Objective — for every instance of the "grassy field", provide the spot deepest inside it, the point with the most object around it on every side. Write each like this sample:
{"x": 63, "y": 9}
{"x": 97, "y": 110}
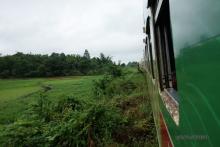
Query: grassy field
{"x": 17, "y": 94}
{"x": 76, "y": 111}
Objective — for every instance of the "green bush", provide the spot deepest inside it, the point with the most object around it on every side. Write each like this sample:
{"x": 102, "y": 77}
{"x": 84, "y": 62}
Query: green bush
{"x": 100, "y": 86}
{"x": 110, "y": 86}
{"x": 115, "y": 71}
{"x": 70, "y": 122}
{"x": 23, "y": 133}
{"x": 42, "y": 109}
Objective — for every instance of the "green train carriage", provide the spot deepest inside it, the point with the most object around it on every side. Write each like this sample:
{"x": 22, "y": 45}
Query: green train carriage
{"x": 182, "y": 62}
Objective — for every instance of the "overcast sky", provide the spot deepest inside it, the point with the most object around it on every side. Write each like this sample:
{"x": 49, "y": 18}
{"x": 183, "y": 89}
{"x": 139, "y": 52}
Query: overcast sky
{"x": 113, "y": 27}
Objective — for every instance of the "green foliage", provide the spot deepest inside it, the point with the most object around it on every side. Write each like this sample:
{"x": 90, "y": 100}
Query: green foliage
{"x": 23, "y": 133}
{"x": 69, "y": 104}
{"x": 119, "y": 87}
{"x": 17, "y": 94}
{"x": 86, "y": 54}
{"x": 42, "y": 108}
{"x": 94, "y": 124}
{"x": 70, "y": 122}
{"x": 114, "y": 84}
{"x": 115, "y": 71}
{"x": 55, "y": 118}
{"x": 22, "y": 65}
{"x": 132, "y": 64}
{"x": 100, "y": 86}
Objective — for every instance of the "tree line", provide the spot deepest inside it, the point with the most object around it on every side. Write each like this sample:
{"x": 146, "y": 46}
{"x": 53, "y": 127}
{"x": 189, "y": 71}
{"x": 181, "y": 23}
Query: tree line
{"x": 22, "y": 65}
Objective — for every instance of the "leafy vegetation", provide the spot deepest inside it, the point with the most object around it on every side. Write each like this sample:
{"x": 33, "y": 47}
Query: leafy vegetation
{"x": 17, "y": 95}
{"x": 132, "y": 64}
{"x": 22, "y": 65}
{"x": 109, "y": 110}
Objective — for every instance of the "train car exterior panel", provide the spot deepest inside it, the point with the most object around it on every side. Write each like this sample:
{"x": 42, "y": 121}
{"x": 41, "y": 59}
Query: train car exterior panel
{"x": 195, "y": 30}
{"x": 195, "y": 39}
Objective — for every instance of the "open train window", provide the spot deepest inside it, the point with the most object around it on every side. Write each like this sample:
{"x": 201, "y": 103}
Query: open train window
{"x": 167, "y": 70}
{"x": 153, "y": 4}
{"x": 166, "y": 61}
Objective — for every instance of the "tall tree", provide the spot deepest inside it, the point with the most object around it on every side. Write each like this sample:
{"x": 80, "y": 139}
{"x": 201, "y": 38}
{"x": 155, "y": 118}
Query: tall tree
{"x": 86, "y": 54}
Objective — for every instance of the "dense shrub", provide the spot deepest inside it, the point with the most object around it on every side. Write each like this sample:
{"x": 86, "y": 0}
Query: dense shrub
{"x": 23, "y": 133}
{"x": 100, "y": 86}
{"x": 110, "y": 86}
{"x": 70, "y": 122}
{"x": 115, "y": 71}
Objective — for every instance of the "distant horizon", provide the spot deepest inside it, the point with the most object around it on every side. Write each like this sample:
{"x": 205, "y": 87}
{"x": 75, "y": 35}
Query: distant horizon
{"x": 80, "y": 54}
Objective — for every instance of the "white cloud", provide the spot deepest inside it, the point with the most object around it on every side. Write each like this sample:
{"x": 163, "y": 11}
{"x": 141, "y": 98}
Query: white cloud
{"x": 44, "y": 26}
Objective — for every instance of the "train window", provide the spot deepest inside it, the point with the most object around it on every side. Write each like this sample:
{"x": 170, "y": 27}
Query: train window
{"x": 148, "y": 60}
{"x": 151, "y": 60}
{"x": 153, "y": 4}
{"x": 148, "y": 49}
{"x": 146, "y": 55}
{"x": 166, "y": 62}
{"x": 165, "y": 52}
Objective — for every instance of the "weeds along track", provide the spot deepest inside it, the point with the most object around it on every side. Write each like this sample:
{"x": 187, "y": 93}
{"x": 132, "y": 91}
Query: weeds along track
{"x": 140, "y": 129}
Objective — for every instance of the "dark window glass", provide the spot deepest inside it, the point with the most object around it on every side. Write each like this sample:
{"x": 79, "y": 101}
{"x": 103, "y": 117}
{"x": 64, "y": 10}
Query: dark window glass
{"x": 165, "y": 55}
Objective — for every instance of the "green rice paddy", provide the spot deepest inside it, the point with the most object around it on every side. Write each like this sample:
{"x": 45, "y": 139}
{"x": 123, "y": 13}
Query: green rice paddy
{"x": 16, "y": 95}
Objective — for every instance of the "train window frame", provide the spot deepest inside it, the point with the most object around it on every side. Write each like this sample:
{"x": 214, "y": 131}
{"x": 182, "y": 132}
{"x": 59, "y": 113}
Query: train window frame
{"x": 151, "y": 60}
{"x": 147, "y": 55}
{"x": 150, "y": 57}
{"x": 153, "y": 4}
{"x": 166, "y": 62}
{"x": 149, "y": 52}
